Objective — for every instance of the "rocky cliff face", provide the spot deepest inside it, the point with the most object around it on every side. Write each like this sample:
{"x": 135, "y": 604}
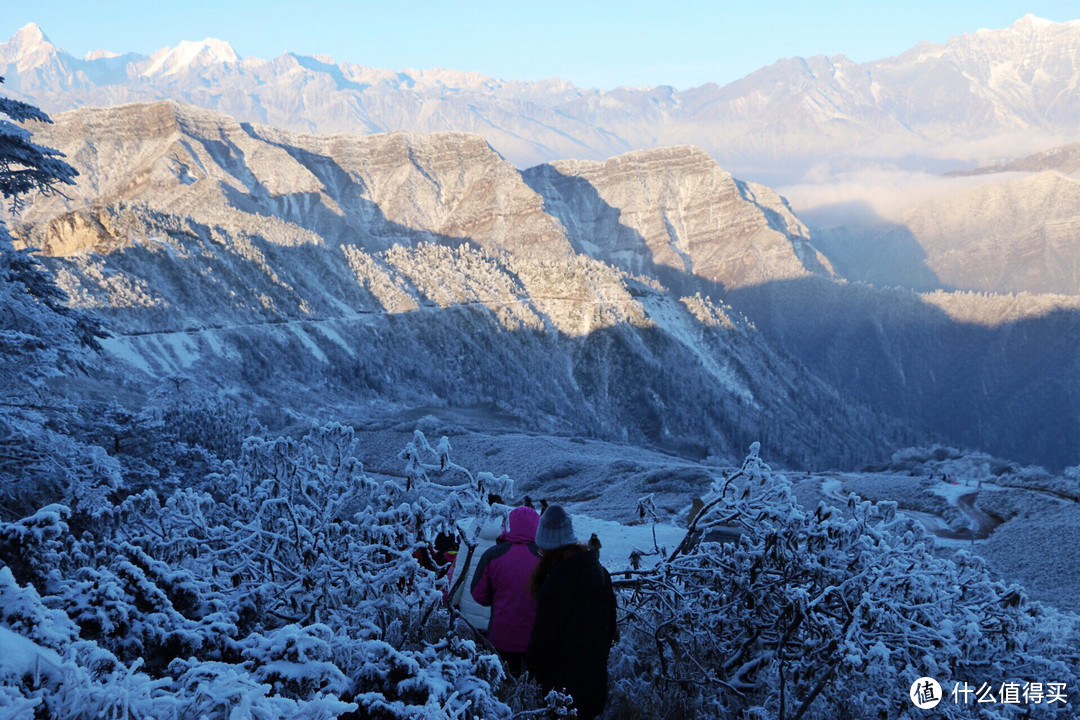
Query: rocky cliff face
{"x": 388, "y": 272}
{"x": 183, "y": 160}
{"x": 675, "y": 208}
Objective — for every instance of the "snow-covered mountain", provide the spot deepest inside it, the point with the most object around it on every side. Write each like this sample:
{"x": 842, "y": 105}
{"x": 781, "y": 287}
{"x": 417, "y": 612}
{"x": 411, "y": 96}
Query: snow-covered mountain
{"x": 975, "y": 99}
{"x": 190, "y": 56}
{"x": 564, "y": 297}
{"x": 379, "y": 274}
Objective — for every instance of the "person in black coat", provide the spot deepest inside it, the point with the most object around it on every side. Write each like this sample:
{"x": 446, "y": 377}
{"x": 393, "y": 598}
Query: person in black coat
{"x": 575, "y": 617}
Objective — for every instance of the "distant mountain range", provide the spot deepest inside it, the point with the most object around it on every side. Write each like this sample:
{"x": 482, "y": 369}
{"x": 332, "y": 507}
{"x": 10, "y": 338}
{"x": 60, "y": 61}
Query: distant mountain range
{"x": 977, "y": 98}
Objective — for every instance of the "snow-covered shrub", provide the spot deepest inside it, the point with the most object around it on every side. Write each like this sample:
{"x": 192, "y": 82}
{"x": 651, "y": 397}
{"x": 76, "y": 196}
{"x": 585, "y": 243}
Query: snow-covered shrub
{"x": 295, "y": 660}
{"x": 287, "y": 585}
{"x": 221, "y": 690}
{"x": 46, "y": 670}
{"x": 818, "y": 614}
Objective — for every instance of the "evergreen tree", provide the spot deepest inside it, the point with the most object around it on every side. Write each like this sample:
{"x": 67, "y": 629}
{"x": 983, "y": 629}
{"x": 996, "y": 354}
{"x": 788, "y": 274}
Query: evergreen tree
{"x": 40, "y": 337}
{"x": 25, "y": 166}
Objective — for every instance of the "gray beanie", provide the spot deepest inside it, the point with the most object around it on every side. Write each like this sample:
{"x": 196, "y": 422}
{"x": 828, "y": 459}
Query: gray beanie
{"x": 555, "y": 529}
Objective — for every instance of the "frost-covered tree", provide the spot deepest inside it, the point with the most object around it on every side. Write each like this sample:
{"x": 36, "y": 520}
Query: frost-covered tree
{"x": 40, "y": 339}
{"x": 25, "y": 166}
{"x": 288, "y": 584}
{"x": 819, "y": 614}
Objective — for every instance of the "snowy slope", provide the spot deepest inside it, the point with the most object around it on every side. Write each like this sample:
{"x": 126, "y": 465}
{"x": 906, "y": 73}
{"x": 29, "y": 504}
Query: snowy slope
{"x": 1027, "y": 536}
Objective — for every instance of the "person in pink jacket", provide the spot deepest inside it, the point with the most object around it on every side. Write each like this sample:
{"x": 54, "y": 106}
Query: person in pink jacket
{"x": 502, "y": 581}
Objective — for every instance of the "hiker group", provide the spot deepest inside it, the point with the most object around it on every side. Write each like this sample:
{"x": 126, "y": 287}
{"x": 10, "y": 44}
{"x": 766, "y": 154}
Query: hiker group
{"x": 542, "y": 599}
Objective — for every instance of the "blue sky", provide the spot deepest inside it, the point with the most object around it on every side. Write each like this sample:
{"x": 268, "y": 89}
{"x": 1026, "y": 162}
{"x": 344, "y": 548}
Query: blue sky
{"x": 594, "y": 43}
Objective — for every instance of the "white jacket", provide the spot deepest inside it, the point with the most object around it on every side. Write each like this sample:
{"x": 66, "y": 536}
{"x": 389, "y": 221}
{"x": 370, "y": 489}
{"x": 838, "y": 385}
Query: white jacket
{"x": 477, "y": 615}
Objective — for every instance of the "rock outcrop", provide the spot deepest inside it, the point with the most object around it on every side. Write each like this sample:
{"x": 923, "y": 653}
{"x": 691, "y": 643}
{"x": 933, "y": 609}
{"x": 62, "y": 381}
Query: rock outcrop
{"x": 676, "y": 208}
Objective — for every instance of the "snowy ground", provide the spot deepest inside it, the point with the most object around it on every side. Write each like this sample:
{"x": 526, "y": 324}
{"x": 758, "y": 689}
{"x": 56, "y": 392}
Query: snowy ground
{"x": 618, "y": 541}
{"x": 591, "y": 477}
{"x": 1027, "y": 535}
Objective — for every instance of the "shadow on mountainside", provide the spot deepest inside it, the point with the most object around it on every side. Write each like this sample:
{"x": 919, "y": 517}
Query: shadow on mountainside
{"x": 297, "y": 322}
{"x": 295, "y": 326}
{"x": 353, "y": 215}
{"x": 1012, "y": 389}
{"x": 585, "y": 215}
{"x": 624, "y": 383}
{"x": 865, "y": 247}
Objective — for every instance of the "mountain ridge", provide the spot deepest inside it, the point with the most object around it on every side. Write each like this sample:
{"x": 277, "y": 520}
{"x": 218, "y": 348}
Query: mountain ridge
{"x": 776, "y": 123}
{"x": 1064, "y": 159}
{"x": 385, "y": 272}
{"x": 1016, "y": 235}
{"x": 660, "y": 299}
